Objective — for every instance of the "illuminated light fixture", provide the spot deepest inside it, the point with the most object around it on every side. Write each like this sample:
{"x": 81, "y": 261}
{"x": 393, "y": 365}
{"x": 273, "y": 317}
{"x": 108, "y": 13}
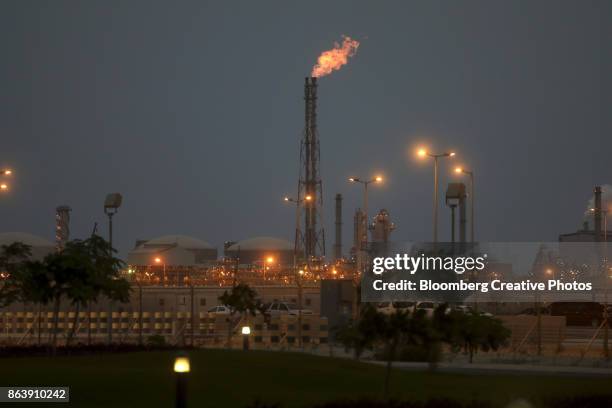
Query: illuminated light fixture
{"x": 181, "y": 365}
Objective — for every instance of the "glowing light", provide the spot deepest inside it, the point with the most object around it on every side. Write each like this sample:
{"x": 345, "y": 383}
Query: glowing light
{"x": 334, "y": 59}
{"x": 308, "y": 198}
{"x": 246, "y": 330}
{"x": 181, "y": 365}
{"x": 7, "y": 172}
{"x": 157, "y": 260}
{"x": 451, "y": 154}
{"x": 3, "y": 186}
{"x": 421, "y": 152}
{"x": 269, "y": 259}
{"x": 378, "y": 179}
{"x": 458, "y": 170}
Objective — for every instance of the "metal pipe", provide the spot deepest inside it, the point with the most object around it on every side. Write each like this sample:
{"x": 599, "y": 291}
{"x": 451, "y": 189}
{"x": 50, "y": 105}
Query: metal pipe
{"x": 435, "y": 201}
{"x": 597, "y": 213}
{"x": 452, "y": 207}
{"x": 338, "y": 244}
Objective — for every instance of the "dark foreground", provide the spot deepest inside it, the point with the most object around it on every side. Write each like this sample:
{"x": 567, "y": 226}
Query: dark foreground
{"x": 236, "y": 379}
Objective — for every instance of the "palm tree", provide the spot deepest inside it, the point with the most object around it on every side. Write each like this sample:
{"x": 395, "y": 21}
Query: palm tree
{"x": 99, "y": 275}
{"x": 395, "y": 325}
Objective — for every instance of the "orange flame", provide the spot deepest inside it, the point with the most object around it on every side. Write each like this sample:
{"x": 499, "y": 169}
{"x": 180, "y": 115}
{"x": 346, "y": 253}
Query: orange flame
{"x": 334, "y": 59}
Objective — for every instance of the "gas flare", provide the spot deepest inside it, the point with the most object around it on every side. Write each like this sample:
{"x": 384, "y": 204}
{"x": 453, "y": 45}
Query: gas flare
{"x": 334, "y": 59}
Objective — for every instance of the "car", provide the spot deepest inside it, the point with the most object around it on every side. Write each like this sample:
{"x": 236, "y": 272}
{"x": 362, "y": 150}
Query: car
{"x": 278, "y": 308}
{"x": 463, "y": 309}
{"x": 385, "y": 307}
{"x": 428, "y": 307}
{"x": 392, "y": 307}
{"x": 404, "y": 306}
{"x": 220, "y": 310}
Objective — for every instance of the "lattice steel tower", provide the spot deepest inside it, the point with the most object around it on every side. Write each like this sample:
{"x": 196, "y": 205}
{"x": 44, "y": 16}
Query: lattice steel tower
{"x": 312, "y": 245}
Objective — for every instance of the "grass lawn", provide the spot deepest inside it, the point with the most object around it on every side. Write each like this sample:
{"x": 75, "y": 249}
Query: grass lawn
{"x": 222, "y": 378}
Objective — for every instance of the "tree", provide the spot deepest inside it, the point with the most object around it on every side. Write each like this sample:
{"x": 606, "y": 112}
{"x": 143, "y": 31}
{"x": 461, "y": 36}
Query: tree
{"x": 361, "y": 335}
{"x": 80, "y": 273}
{"x": 394, "y": 326}
{"x": 13, "y": 260}
{"x": 480, "y": 332}
{"x": 241, "y": 299}
{"x": 99, "y": 275}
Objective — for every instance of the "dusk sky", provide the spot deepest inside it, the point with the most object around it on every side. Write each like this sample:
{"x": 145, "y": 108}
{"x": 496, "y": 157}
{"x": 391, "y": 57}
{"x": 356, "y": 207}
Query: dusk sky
{"x": 194, "y": 112}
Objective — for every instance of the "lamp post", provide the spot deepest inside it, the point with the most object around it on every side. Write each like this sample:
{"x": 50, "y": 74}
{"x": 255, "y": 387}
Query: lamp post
{"x": 362, "y": 253}
{"x": 424, "y": 153}
{"x": 471, "y": 174}
{"x": 296, "y": 250}
{"x": 606, "y": 351}
{"x": 181, "y": 369}
{"x": 246, "y": 332}
{"x": 111, "y": 206}
{"x": 361, "y": 262}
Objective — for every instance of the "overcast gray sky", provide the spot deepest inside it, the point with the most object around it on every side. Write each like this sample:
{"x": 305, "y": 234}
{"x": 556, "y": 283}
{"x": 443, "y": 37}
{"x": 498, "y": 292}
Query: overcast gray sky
{"x": 194, "y": 112}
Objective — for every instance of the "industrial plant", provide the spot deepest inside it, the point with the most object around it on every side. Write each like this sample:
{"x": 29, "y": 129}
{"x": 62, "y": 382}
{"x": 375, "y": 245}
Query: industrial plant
{"x": 177, "y": 280}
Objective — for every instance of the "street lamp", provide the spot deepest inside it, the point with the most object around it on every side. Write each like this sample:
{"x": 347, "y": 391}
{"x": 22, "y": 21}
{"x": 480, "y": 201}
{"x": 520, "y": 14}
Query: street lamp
{"x": 364, "y": 234}
{"x": 182, "y": 368}
{"x": 4, "y": 186}
{"x": 298, "y": 203}
{"x": 296, "y": 249}
{"x": 362, "y": 253}
{"x": 461, "y": 170}
{"x": 423, "y": 153}
{"x": 246, "y": 331}
{"x": 111, "y": 206}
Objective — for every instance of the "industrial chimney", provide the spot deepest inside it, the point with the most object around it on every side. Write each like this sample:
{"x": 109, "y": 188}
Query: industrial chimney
{"x": 338, "y": 244}
{"x": 310, "y": 178}
{"x": 597, "y": 214}
{"x": 62, "y": 226}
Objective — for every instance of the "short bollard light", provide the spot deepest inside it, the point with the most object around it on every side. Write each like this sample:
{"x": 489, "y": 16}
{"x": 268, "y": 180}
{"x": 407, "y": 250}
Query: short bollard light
{"x": 246, "y": 331}
{"x": 181, "y": 369}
